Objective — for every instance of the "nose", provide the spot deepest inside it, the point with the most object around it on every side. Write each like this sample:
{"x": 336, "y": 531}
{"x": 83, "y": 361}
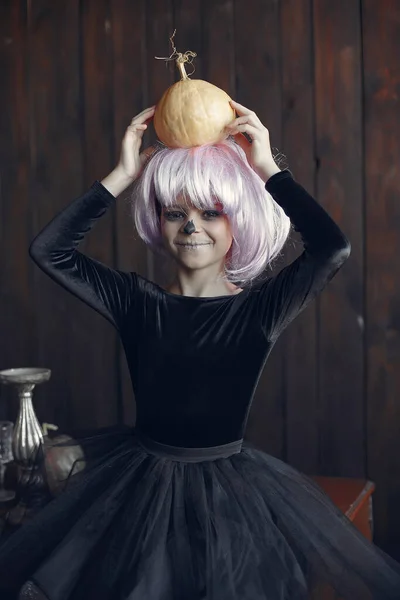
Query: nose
{"x": 189, "y": 228}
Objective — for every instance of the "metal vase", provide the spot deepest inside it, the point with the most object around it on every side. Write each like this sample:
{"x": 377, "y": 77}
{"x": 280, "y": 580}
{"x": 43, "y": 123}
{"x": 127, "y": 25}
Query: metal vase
{"x": 27, "y": 440}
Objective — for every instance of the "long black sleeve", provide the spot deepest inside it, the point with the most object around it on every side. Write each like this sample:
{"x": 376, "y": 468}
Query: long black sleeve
{"x": 54, "y": 250}
{"x": 283, "y": 297}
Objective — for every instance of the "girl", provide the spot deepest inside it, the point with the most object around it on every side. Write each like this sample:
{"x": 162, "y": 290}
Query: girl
{"x": 179, "y": 508}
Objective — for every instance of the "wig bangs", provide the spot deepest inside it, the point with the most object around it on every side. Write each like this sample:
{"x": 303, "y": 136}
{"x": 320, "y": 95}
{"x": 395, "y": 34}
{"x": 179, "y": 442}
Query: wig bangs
{"x": 202, "y": 176}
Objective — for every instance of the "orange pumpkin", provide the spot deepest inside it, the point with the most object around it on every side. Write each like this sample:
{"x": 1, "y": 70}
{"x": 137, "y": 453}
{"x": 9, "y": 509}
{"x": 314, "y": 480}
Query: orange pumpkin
{"x": 192, "y": 112}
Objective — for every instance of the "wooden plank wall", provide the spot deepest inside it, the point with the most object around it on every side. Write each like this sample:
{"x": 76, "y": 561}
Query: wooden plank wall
{"x": 324, "y": 77}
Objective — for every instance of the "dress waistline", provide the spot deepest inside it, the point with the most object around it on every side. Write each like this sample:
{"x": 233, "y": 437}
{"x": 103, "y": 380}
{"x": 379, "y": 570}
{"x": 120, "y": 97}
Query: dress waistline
{"x": 191, "y": 455}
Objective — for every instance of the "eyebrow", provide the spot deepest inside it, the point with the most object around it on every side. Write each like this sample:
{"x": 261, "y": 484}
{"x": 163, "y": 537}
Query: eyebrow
{"x": 217, "y": 208}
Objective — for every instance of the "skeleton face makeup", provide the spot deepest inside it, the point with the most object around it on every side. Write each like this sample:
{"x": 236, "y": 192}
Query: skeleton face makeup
{"x": 189, "y": 227}
{"x": 195, "y": 238}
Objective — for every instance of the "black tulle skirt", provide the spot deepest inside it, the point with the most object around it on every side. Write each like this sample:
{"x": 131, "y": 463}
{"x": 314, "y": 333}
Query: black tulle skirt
{"x": 145, "y": 521}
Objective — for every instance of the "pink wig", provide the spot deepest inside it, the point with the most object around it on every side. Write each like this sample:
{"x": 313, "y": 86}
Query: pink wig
{"x": 206, "y": 175}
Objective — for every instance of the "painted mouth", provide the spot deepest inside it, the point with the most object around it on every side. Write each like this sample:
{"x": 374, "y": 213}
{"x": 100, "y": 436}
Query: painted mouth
{"x": 193, "y": 246}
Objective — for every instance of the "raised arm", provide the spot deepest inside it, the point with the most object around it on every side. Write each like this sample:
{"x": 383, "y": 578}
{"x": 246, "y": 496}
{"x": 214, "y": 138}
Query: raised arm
{"x": 283, "y": 297}
{"x": 55, "y": 249}
{"x": 326, "y": 248}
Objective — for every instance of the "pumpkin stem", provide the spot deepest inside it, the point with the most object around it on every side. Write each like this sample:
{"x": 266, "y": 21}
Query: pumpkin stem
{"x": 180, "y": 58}
{"x": 180, "y": 61}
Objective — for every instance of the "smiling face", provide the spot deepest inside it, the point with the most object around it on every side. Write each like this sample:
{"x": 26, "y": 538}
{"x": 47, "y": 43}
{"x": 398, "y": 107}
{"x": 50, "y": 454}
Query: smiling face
{"x": 209, "y": 241}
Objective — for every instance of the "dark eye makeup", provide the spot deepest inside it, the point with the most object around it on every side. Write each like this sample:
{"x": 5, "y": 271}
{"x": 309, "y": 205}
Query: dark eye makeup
{"x": 175, "y": 215}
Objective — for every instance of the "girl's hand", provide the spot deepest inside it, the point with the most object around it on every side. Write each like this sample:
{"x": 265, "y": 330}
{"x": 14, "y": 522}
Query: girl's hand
{"x": 258, "y": 150}
{"x": 131, "y": 161}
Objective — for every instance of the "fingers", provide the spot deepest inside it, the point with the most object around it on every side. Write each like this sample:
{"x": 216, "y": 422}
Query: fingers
{"x": 239, "y": 106}
{"x": 134, "y": 135}
{"x": 242, "y": 128}
{"x": 245, "y": 119}
{"x": 135, "y": 132}
{"x": 144, "y": 116}
{"x": 135, "y": 126}
{"x": 139, "y": 123}
{"x": 242, "y": 110}
{"x": 150, "y": 109}
{"x": 250, "y": 119}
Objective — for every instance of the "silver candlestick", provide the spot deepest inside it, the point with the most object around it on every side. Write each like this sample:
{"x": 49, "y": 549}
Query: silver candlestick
{"x": 27, "y": 440}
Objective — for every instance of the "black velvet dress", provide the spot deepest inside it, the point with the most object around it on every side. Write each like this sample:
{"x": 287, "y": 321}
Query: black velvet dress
{"x": 179, "y": 507}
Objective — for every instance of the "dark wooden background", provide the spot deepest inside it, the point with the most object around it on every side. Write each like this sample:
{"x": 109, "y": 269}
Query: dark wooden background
{"x": 324, "y": 77}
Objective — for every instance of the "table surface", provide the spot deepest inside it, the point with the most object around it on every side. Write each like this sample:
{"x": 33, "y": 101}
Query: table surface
{"x": 349, "y": 495}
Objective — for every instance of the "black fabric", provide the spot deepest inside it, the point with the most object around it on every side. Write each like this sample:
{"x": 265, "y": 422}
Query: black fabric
{"x": 141, "y": 522}
{"x": 218, "y": 344}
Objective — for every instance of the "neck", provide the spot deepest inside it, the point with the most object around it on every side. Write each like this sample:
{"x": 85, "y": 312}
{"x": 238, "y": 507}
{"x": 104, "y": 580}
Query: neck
{"x": 201, "y": 285}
